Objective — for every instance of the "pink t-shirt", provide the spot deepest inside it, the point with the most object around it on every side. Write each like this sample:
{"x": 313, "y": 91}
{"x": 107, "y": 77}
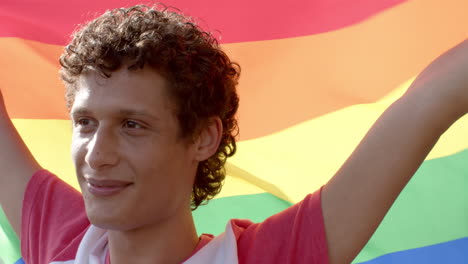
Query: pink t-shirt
{"x": 55, "y": 229}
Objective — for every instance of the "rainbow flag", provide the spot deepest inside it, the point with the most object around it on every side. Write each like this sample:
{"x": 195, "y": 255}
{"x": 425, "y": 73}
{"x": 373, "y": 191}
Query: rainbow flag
{"x": 315, "y": 75}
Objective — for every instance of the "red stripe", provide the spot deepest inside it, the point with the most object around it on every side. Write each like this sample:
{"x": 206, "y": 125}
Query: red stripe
{"x": 52, "y": 21}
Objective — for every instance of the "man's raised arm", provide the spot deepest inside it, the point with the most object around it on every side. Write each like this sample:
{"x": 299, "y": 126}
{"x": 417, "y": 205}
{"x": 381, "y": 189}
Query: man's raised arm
{"x": 17, "y": 165}
{"x": 357, "y": 198}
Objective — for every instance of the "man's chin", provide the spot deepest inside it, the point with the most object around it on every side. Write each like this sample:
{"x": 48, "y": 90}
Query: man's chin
{"x": 108, "y": 220}
{"x": 109, "y": 223}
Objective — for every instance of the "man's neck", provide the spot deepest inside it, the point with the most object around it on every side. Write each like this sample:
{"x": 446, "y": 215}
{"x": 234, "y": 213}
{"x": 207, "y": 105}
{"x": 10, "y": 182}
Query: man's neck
{"x": 169, "y": 241}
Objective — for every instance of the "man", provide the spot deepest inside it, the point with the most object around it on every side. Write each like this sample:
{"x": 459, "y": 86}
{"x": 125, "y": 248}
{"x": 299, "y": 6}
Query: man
{"x": 152, "y": 99}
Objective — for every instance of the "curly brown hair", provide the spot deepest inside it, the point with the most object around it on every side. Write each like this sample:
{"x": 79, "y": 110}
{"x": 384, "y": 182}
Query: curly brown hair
{"x": 201, "y": 76}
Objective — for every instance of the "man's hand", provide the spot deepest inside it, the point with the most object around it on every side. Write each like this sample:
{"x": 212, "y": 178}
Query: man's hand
{"x": 17, "y": 165}
{"x": 357, "y": 198}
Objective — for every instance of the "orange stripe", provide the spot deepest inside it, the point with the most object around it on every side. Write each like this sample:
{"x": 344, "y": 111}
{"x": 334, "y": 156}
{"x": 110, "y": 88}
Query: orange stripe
{"x": 284, "y": 81}
{"x": 29, "y": 79}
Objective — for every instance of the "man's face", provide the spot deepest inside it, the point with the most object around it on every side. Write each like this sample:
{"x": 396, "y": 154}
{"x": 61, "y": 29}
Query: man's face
{"x": 132, "y": 167}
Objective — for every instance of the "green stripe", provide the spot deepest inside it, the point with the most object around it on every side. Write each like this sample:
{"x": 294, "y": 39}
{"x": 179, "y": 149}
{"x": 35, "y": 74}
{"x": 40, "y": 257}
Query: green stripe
{"x": 9, "y": 243}
{"x": 213, "y": 217}
{"x": 433, "y": 208}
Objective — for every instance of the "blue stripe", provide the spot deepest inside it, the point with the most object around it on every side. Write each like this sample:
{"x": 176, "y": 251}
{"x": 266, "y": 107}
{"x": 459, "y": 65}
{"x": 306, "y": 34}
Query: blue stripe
{"x": 453, "y": 252}
{"x": 19, "y": 261}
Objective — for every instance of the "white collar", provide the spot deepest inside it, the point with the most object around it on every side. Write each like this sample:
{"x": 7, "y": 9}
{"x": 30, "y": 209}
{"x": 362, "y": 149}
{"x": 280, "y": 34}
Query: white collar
{"x": 222, "y": 249}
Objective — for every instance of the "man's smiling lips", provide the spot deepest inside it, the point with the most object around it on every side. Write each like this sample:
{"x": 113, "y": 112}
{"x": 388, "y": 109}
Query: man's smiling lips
{"x": 105, "y": 187}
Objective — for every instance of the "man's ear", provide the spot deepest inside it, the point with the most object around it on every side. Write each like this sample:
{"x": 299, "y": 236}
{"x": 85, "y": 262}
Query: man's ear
{"x": 209, "y": 139}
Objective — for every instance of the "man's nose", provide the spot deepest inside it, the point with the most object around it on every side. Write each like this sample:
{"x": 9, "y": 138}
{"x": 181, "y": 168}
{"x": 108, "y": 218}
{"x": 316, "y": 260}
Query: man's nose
{"x": 102, "y": 149}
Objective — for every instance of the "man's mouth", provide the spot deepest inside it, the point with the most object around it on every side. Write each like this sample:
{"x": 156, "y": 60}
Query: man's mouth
{"x": 106, "y": 187}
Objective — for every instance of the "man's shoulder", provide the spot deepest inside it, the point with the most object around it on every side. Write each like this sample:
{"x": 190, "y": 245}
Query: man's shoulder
{"x": 53, "y": 221}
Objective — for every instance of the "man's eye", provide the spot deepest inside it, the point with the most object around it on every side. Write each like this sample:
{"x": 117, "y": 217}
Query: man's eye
{"x": 132, "y": 124}
{"x": 83, "y": 122}
{"x": 84, "y": 125}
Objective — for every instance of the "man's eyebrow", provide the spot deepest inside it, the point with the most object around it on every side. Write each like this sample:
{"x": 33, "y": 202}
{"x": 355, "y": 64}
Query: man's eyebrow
{"x": 121, "y": 112}
{"x": 79, "y": 111}
{"x": 136, "y": 112}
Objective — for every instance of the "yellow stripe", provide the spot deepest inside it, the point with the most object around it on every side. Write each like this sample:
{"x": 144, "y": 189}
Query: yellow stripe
{"x": 49, "y": 141}
{"x": 308, "y": 154}
{"x": 302, "y": 158}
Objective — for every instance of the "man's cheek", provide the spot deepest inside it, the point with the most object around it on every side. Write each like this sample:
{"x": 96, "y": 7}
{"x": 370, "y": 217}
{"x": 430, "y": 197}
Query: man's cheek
{"x": 78, "y": 149}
